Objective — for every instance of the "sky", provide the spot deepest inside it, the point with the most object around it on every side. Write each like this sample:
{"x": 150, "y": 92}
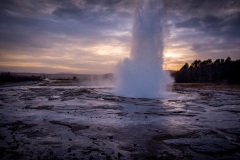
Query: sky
{"x": 92, "y": 36}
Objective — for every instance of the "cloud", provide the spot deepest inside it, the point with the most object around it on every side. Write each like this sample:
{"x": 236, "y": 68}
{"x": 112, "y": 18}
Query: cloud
{"x": 93, "y": 34}
{"x": 85, "y": 36}
{"x": 202, "y": 7}
{"x": 227, "y": 26}
{"x": 221, "y": 33}
{"x": 209, "y": 28}
{"x": 68, "y": 22}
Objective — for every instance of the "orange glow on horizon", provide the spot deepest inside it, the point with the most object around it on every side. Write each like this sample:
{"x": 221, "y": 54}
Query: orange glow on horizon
{"x": 97, "y": 59}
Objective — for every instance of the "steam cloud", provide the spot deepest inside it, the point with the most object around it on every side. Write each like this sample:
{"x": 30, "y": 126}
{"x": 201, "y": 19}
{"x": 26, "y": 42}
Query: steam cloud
{"x": 142, "y": 75}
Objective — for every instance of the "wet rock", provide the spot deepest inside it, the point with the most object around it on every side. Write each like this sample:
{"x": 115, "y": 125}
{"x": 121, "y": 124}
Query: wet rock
{"x": 19, "y": 125}
{"x": 40, "y": 107}
{"x": 73, "y": 126}
{"x": 208, "y": 145}
{"x": 114, "y": 107}
{"x": 32, "y": 134}
{"x": 119, "y": 155}
{"x": 93, "y": 138}
{"x": 108, "y": 157}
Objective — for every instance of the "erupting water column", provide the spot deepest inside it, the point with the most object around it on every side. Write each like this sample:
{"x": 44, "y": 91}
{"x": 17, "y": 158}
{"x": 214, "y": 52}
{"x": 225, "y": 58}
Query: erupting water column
{"x": 142, "y": 75}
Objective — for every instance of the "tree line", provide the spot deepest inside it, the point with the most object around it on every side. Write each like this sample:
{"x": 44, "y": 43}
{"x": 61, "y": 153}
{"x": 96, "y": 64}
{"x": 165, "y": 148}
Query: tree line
{"x": 219, "y": 71}
{"x": 10, "y": 77}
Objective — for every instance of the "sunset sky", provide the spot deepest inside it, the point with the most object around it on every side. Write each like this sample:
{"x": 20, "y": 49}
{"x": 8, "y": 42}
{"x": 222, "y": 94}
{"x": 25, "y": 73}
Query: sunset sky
{"x": 91, "y": 36}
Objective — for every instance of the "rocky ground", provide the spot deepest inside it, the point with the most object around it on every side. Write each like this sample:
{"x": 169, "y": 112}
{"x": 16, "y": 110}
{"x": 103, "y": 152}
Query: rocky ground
{"x": 72, "y": 122}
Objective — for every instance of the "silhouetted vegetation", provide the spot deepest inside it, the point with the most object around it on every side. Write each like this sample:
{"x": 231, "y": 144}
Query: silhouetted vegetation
{"x": 219, "y": 71}
{"x": 11, "y": 77}
{"x": 57, "y": 79}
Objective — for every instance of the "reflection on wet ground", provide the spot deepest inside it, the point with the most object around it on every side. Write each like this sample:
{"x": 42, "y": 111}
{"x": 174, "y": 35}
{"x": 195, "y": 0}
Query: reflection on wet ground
{"x": 39, "y": 122}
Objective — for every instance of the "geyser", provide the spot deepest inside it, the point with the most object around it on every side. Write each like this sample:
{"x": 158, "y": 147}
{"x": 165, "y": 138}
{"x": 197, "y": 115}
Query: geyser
{"x": 142, "y": 75}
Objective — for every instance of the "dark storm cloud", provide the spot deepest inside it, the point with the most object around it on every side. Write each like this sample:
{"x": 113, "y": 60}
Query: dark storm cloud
{"x": 93, "y": 17}
{"x": 201, "y": 6}
{"x": 210, "y": 27}
{"x": 223, "y": 32}
{"x": 32, "y": 23}
{"x": 227, "y": 27}
{"x": 97, "y": 10}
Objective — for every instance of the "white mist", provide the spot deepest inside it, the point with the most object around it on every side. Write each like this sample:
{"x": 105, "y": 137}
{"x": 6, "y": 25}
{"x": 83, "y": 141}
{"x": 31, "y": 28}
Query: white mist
{"x": 142, "y": 75}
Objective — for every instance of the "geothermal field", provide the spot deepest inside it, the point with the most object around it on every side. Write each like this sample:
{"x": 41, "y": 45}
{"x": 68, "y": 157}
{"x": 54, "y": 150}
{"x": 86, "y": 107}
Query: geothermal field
{"x": 141, "y": 114}
{"x": 75, "y": 122}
